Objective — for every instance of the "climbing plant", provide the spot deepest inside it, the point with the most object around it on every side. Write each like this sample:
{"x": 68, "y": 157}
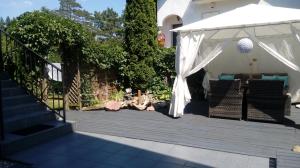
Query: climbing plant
{"x": 43, "y": 30}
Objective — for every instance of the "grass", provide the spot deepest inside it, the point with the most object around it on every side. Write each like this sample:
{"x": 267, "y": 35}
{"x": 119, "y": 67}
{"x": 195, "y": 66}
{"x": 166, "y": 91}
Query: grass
{"x": 57, "y": 105}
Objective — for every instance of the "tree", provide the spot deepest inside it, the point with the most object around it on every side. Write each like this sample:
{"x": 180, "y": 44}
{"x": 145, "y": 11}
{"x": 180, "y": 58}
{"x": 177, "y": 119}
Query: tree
{"x": 73, "y": 10}
{"x": 109, "y": 23}
{"x": 68, "y": 7}
{"x": 2, "y": 23}
{"x": 45, "y": 9}
{"x": 140, "y": 41}
{"x": 7, "y": 21}
{"x": 83, "y": 14}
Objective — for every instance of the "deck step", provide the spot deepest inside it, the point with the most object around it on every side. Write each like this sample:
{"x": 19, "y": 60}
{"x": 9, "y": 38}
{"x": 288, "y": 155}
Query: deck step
{"x": 8, "y": 83}
{"x": 18, "y": 100}
{"x": 5, "y": 76}
{"x": 16, "y": 142}
{"x": 23, "y": 109}
{"x": 14, "y": 91}
{"x": 27, "y": 120}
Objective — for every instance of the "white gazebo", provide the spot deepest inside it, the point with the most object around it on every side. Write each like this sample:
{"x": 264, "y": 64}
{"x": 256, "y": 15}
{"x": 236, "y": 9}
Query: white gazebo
{"x": 212, "y": 44}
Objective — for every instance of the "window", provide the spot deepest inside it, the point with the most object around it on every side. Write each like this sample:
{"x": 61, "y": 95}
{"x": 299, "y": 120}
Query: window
{"x": 174, "y": 34}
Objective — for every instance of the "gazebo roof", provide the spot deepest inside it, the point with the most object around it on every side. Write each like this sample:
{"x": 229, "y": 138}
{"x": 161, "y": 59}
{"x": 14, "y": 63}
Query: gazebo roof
{"x": 251, "y": 15}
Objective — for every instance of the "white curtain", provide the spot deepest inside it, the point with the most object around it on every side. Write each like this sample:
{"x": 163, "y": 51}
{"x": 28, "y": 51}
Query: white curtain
{"x": 295, "y": 90}
{"x": 295, "y": 33}
{"x": 187, "y": 49}
{"x": 279, "y": 49}
{"x": 208, "y": 52}
{"x": 285, "y": 50}
{"x": 192, "y": 55}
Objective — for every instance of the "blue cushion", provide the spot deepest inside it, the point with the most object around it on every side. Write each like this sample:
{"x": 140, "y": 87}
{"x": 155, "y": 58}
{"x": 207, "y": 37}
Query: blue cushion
{"x": 267, "y": 77}
{"x": 285, "y": 79}
{"x": 226, "y": 77}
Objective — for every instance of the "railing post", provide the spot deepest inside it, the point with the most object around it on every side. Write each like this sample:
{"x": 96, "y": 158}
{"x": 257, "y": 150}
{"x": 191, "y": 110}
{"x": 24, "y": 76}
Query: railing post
{"x": 1, "y": 106}
{"x": 64, "y": 91}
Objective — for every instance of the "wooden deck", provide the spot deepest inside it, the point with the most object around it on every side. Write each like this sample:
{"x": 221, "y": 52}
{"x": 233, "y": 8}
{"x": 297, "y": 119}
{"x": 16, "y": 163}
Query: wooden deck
{"x": 197, "y": 130}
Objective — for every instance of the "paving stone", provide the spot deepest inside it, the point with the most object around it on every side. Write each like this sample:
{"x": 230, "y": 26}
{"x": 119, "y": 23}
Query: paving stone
{"x": 189, "y": 164}
{"x": 118, "y": 160}
{"x": 149, "y": 155}
{"x": 174, "y": 160}
{"x": 112, "y": 147}
{"x": 96, "y": 156}
{"x": 129, "y": 151}
{"x": 167, "y": 165}
{"x": 105, "y": 166}
{"x": 101, "y": 152}
{"x": 140, "y": 163}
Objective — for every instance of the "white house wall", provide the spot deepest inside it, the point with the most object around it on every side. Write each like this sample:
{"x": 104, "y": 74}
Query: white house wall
{"x": 167, "y": 8}
{"x": 168, "y": 22}
{"x": 190, "y": 11}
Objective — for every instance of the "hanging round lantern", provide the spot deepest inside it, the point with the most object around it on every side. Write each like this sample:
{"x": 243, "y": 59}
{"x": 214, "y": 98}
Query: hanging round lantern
{"x": 245, "y": 45}
{"x": 161, "y": 39}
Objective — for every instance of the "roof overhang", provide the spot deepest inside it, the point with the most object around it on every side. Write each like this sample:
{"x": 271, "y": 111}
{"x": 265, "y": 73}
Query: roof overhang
{"x": 244, "y": 17}
{"x": 207, "y": 1}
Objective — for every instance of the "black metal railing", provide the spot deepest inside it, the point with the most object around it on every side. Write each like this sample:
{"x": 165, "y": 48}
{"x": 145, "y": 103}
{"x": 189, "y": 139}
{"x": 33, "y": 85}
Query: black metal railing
{"x": 41, "y": 78}
{"x": 1, "y": 106}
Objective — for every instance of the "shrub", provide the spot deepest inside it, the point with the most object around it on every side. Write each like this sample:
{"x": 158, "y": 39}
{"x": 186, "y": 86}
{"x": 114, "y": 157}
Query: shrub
{"x": 87, "y": 95}
{"x": 164, "y": 63}
{"x": 160, "y": 89}
{"x": 107, "y": 55}
{"x": 117, "y": 96}
{"x": 140, "y": 42}
{"x": 139, "y": 75}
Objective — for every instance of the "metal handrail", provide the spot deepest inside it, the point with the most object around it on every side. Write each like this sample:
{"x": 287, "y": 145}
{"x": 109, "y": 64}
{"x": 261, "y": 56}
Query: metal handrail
{"x": 1, "y": 106}
{"x": 23, "y": 45}
{"x": 30, "y": 70}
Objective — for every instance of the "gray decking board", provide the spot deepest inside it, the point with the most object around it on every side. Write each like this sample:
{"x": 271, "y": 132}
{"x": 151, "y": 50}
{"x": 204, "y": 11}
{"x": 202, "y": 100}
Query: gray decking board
{"x": 288, "y": 159}
{"x": 245, "y": 137}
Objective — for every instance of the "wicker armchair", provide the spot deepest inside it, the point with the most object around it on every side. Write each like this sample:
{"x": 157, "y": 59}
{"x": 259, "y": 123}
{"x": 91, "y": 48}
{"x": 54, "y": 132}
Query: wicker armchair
{"x": 245, "y": 77}
{"x": 266, "y": 100}
{"x": 225, "y": 99}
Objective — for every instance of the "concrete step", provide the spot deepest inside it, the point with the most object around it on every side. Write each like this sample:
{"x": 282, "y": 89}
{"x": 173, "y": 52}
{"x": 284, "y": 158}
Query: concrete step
{"x": 5, "y": 76}
{"x": 8, "y": 83}
{"x": 14, "y": 91}
{"x": 27, "y": 108}
{"x": 23, "y": 121}
{"x": 26, "y": 121}
{"x": 15, "y": 142}
{"x": 18, "y": 100}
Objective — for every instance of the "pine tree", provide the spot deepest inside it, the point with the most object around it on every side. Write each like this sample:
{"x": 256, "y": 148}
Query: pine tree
{"x": 2, "y": 23}
{"x": 68, "y": 7}
{"x": 7, "y": 21}
{"x": 140, "y": 41}
{"x": 109, "y": 23}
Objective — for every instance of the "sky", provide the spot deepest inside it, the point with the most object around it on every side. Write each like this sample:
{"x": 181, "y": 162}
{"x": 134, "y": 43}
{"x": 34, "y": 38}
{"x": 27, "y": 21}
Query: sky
{"x": 14, "y": 8}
